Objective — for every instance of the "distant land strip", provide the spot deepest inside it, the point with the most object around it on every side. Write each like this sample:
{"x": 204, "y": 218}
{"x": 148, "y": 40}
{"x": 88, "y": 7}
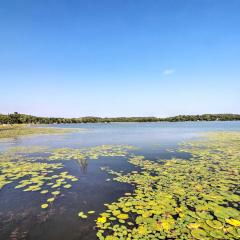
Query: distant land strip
{"x": 17, "y": 118}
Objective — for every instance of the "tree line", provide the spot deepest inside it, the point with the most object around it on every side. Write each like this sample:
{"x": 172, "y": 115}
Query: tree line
{"x": 17, "y": 118}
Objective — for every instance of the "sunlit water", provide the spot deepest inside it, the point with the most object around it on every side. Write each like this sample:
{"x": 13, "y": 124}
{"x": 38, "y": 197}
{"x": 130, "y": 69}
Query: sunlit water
{"x": 20, "y": 214}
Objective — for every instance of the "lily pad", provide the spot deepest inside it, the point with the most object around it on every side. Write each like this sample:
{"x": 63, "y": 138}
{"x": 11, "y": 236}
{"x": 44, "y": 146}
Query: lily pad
{"x": 45, "y": 205}
{"x": 199, "y": 233}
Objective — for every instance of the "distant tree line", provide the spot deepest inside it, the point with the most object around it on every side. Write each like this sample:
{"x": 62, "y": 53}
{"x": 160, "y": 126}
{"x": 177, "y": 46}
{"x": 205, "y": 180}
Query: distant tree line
{"x": 16, "y": 118}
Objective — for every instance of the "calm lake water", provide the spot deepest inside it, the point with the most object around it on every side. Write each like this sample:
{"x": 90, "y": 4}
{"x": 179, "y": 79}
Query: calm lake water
{"x": 20, "y": 214}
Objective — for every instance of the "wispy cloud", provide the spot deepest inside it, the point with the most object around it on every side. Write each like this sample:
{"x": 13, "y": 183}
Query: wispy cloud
{"x": 168, "y": 71}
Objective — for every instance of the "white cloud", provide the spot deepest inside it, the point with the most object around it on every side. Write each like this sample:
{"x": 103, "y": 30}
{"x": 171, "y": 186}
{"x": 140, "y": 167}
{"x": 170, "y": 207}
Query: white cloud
{"x": 167, "y": 72}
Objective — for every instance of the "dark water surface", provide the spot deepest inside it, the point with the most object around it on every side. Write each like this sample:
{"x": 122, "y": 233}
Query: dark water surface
{"x": 20, "y": 214}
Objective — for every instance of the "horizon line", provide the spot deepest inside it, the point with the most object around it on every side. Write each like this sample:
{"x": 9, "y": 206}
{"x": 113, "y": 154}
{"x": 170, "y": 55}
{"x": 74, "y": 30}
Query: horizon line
{"x": 89, "y": 116}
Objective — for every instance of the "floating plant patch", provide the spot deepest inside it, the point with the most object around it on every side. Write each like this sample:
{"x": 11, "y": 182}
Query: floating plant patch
{"x": 91, "y": 152}
{"x": 180, "y": 199}
{"x": 32, "y": 172}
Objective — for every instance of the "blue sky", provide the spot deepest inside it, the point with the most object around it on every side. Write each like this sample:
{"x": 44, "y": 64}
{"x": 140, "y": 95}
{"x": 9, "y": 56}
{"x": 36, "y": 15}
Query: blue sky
{"x": 119, "y": 58}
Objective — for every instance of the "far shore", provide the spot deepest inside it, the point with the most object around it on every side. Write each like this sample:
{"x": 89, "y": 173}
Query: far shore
{"x": 17, "y": 118}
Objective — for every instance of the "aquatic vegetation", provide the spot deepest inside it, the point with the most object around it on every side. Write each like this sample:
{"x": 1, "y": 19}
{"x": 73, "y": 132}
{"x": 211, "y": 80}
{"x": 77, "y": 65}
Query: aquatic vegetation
{"x": 44, "y": 191}
{"x": 233, "y": 222}
{"x": 90, "y": 152}
{"x": 50, "y": 199}
{"x": 84, "y": 215}
{"x": 91, "y": 212}
{"x": 13, "y": 131}
{"x": 101, "y": 220}
{"x": 82, "y": 155}
{"x": 30, "y": 171}
{"x": 197, "y": 198}
{"x": 34, "y": 176}
{"x": 25, "y": 150}
{"x": 56, "y": 193}
{"x": 29, "y": 174}
{"x": 45, "y": 205}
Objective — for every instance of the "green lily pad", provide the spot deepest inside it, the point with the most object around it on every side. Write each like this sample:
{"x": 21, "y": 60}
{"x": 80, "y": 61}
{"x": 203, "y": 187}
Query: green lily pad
{"x": 214, "y": 224}
{"x": 199, "y": 234}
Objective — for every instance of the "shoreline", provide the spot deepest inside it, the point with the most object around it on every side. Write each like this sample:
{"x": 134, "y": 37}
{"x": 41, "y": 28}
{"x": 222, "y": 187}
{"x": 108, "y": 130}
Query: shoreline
{"x": 113, "y": 122}
{"x": 17, "y": 118}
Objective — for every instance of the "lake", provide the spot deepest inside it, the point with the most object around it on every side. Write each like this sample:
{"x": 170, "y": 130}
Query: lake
{"x": 21, "y": 215}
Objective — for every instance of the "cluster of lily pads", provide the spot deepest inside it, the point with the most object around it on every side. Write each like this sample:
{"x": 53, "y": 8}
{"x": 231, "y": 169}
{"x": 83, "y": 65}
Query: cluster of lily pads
{"x": 197, "y": 198}
{"x": 90, "y": 152}
{"x": 31, "y": 175}
{"x": 30, "y": 171}
{"x": 85, "y": 215}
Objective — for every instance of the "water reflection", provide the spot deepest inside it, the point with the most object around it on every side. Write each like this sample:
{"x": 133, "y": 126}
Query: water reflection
{"x": 83, "y": 163}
